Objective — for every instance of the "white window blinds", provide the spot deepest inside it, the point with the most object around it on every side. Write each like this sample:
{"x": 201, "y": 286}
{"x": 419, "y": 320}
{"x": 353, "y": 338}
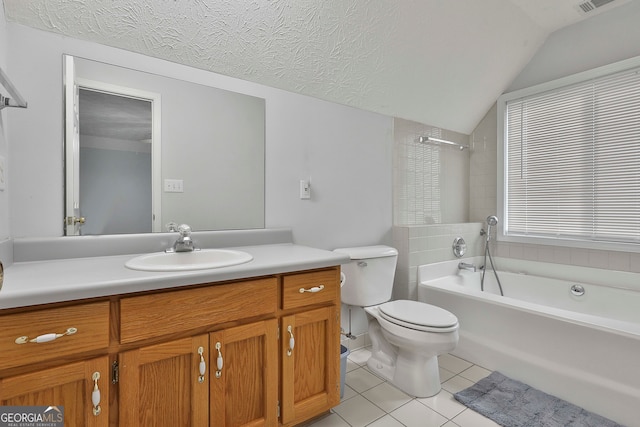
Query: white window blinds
{"x": 573, "y": 161}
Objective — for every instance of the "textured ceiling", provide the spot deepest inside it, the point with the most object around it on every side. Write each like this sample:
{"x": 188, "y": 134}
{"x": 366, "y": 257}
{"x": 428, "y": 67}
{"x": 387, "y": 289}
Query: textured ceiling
{"x": 439, "y": 62}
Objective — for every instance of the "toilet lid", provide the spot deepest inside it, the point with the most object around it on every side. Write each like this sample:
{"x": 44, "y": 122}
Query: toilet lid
{"x": 418, "y": 315}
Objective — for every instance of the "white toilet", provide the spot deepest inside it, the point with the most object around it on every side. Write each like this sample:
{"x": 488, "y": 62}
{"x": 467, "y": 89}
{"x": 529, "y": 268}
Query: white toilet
{"x": 406, "y": 336}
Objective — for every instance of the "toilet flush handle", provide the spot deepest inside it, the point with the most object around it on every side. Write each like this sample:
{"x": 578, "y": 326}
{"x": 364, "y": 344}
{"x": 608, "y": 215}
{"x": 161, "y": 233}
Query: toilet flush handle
{"x": 362, "y": 263}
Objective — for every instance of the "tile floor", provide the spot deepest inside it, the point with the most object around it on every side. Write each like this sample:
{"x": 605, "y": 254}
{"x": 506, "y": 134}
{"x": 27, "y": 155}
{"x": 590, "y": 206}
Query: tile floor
{"x": 370, "y": 401}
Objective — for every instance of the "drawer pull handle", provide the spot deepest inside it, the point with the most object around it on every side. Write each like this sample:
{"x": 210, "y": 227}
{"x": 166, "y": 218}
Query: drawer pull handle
{"x": 312, "y": 290}
{"x": 45, "y": 338}
{"x": 292, "y": 341}
{"x": 95, "y": 394}
{"x": 219, "y": 361}
{"x": 202, "y": 368}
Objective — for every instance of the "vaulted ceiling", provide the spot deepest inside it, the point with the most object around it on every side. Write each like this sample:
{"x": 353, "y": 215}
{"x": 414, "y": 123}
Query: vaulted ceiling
{"x": 439, "y": 62}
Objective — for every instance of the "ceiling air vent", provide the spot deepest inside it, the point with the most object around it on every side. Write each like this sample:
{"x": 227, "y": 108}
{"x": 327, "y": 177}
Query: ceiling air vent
{"x": 590, "y": 6}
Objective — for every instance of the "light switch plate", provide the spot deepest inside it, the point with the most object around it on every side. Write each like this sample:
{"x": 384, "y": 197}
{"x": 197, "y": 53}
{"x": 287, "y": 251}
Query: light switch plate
{"x": 305, "y": 189}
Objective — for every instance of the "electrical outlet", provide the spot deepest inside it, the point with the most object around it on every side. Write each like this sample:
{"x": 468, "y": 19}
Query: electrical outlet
{"x": 173, "y": 186}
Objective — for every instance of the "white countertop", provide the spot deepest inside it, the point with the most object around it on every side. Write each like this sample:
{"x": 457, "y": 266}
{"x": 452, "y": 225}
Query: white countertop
{"x": 41, "y": 282}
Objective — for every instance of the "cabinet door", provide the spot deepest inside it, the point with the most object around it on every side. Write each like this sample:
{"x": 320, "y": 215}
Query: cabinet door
{"x": 311, "y": 370}
{"x": 70, "y": 386}
{"x": 160, "y": 385}
{"x": 245, "y": 391}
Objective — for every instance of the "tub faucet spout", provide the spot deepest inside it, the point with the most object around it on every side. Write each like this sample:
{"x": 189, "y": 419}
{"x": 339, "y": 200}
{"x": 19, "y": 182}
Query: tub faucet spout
{"x": 465, "y": 266}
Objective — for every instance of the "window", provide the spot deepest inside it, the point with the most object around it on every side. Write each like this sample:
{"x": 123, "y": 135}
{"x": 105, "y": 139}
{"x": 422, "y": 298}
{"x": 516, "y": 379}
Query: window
{"x": 572, "y": 160}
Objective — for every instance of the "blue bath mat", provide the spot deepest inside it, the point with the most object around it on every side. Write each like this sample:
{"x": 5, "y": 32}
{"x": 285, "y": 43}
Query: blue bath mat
{"x": 511, "y": 403}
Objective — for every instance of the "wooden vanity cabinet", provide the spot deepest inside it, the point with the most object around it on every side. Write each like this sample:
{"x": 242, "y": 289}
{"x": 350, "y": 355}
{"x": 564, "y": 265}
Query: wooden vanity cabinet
{"x": 310, "y": 345}
{"x": 167, "y": 346}
{"x": 245, "y": 391}
{"x": 69, "y": 386}
{"x": 162, "y": 385}
{"x": 175, "y": 381}
{"x": 57, "y": 372}
{"x": 159, "y": 386}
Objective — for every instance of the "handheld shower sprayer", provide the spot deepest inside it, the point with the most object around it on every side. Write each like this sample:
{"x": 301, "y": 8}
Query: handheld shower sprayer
{"x": 492, "y": 221}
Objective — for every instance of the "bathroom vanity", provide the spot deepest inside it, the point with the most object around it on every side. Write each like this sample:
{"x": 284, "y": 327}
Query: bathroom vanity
{"x": 257, "y": 344}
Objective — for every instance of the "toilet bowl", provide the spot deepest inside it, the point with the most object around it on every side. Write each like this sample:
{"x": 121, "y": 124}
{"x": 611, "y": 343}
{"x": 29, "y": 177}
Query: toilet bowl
{"x": 406, "y": 336}
{"x": 404, "y": 352}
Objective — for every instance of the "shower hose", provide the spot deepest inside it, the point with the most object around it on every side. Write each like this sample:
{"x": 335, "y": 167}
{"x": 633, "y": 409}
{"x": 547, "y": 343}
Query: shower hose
{"x": 487, "y": 251}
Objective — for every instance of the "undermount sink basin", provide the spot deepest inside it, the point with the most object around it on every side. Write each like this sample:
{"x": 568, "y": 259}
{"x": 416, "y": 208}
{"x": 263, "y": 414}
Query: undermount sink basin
{"x": 186, "y": 261}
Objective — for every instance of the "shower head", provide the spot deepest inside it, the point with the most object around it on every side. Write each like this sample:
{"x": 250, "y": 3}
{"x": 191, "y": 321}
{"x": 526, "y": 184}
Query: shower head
{"x": 492, "y": 221}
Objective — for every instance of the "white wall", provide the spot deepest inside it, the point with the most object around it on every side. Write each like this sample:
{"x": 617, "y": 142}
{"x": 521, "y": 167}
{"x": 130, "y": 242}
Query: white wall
{"x": 483, "y": 168}
{"x": 346, "y": 152}
{"x": 606, "y": 38}
{"x": 4, "y": 197}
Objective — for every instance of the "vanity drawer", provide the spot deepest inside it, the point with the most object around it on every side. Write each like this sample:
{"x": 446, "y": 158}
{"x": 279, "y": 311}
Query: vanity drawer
{"x": 299, "y": 290}
{"x": 91, "y": 322}
{"x": 153, "y": 315}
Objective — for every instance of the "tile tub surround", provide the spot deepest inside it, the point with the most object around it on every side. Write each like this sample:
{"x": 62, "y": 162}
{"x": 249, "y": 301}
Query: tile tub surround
{"x": 426, "y": 244}
{"x": 578, "y": 257}
{"x": 6, "y": 252}
{"x": 370, "y": 401}
{"x": 431, "y": 182}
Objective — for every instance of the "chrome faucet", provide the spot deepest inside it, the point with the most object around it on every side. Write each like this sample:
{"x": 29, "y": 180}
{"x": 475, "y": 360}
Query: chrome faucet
{"x": 183, "y": 243}
{"x": 465, "y": 266}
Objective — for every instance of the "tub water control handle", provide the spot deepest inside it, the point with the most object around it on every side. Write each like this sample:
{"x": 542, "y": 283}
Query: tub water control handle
{"x": 459, "y": 247}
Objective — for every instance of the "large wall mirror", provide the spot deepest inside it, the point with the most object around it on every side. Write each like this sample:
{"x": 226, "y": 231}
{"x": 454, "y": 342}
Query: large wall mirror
{"x": 144, "y": 150}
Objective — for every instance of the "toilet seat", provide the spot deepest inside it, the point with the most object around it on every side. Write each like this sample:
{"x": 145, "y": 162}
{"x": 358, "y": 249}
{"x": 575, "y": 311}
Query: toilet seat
{"x": 419, "y": 316}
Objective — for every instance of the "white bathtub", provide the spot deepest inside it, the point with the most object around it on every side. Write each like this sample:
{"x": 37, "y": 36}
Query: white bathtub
{"x": 584, "y": 349}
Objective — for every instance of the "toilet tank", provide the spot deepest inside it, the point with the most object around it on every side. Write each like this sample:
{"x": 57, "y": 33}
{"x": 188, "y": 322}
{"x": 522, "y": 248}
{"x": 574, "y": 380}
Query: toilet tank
{"x": 368, "y": 277}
